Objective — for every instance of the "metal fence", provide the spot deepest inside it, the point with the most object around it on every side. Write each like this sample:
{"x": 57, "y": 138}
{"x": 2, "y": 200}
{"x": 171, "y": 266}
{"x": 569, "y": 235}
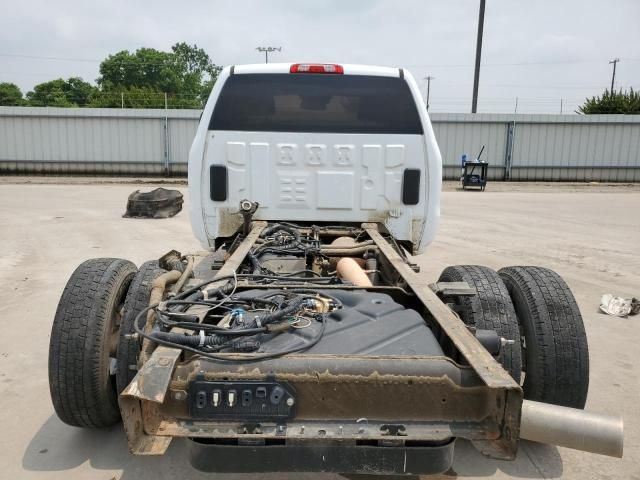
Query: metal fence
{"x": 156, "y": 142}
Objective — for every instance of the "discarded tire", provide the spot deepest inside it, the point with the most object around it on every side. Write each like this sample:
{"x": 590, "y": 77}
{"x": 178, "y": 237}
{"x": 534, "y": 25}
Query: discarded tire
{"x": 158, "y": 203}
{"x": 555, "y": 351}
{"x": 83, "y": 343}
{"x": 137, "y": 300}
{"x": 489, "y": 309}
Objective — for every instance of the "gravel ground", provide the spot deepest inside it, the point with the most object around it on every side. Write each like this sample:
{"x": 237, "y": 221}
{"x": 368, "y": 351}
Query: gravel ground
{"x": 589, "y": 233}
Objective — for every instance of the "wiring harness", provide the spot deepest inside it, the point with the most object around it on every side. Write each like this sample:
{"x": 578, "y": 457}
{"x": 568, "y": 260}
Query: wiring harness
{"x": 283, "y": 239}
{"x": 234, "y": 323}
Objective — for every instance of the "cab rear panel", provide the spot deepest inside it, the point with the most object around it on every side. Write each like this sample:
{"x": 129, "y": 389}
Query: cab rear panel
{"x": 350, "y": 147}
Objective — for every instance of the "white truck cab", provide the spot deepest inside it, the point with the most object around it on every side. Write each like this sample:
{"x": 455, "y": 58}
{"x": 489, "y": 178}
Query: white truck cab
{"x": 321, "y": 143}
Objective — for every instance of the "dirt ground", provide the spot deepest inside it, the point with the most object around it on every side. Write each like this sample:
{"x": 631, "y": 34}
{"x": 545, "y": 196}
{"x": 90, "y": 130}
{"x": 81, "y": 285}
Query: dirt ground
{"x": 589, "y": 233}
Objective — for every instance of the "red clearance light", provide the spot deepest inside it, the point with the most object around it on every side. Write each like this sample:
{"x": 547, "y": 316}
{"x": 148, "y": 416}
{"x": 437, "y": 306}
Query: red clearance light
{"x": 316, "y": 68}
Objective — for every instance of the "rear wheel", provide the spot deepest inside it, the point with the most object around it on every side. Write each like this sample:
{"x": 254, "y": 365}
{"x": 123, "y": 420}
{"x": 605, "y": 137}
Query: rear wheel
{"x": 489, "y": 309}
{"x": 554, "y": 343}
{"x": 136, "y": 301}
{"x": 84, "y": 340}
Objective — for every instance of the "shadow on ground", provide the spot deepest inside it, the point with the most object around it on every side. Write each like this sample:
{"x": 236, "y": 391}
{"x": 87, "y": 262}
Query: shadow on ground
{"x": 57, "y": 447}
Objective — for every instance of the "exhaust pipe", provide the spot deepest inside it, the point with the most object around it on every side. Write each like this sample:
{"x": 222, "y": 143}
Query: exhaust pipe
{"x": 572, "y": 428}
{"x": 348, "y": 269}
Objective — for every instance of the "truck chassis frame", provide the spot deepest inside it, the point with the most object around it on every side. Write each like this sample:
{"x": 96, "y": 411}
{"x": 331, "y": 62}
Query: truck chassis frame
{"x": 479, "y": 401}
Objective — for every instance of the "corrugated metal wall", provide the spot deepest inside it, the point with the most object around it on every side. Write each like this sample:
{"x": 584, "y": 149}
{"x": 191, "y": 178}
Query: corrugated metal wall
{"x": 460, "y": 133}
{"x": 101, "y": 141}
{"x": 517, "y": 147}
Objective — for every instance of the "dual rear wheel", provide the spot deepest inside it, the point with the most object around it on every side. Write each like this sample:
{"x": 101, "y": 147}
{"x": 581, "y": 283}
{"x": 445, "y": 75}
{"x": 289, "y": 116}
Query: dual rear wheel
{"x": 534, "y": 307}
{"x": 92, "y": 356}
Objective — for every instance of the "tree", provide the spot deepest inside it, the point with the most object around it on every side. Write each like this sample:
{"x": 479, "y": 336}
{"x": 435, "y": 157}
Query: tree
{"x": 185, "y": 74}
{"x": 201, "y": 72}
{"x": 79, "y": 91}
{"x": 612, "y": 102}
{"x": 73, "y": 92}
{"x": 134, "y": 97}
{"x": 142, "y": 79}
{"x": 10, "y": 95}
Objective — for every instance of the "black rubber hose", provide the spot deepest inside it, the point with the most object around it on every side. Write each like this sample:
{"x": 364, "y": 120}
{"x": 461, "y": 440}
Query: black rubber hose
{"x": 278, "y": 226}
{"x": 190, "y": 340}
{"x": 295, "y": 305}
{"x": 194, "y": 341}
{"x": 255, "y": 263}
{"x": 252, "y": 357}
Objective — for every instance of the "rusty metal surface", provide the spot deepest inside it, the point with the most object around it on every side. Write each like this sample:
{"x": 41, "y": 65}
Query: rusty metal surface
{"x": 152, "y": 380}
{"x": 452, "y": 289}
{"x": 336, "y": 394}
{"x": 507, "y": 411}
{"x": 138, "y": 441}
{"x": 154, "y": 375}
{"x": 482, "y": 362}
{"x": 234, "y": 261}
{"x": 343, "y": 395}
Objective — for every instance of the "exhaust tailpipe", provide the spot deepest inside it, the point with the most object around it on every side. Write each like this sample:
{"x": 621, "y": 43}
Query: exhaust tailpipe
{"x": 572, "y": 428}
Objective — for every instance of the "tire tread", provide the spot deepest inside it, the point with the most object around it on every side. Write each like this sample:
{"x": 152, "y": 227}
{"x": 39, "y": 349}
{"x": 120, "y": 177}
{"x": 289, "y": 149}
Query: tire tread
{"x": 76, "y": 349}
{"x": 490, "y": 309}
{"x": 557, "y": 366}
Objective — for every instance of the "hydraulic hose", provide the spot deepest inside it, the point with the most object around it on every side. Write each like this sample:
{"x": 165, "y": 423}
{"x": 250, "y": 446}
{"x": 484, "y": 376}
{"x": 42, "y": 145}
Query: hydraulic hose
{"x": 185, "y": 275}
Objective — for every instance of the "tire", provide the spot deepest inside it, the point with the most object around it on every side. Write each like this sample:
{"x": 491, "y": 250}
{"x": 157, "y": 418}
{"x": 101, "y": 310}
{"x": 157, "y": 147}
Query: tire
{"x": 136, "y": 301}
{"x": 489, "y": 309}
{"x": 555, "y": 346}
{"x": 83, "y": 340}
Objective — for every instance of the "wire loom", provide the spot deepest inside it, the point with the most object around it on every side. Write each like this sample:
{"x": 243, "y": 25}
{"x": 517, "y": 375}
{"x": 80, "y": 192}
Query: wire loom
{"x": 247, "y": 318}
{"x": 233, "y": 324}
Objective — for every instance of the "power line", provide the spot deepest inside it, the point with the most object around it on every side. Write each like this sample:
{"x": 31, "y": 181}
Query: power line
{"x": 86, "y": 60}
{"x": 430, "y": 65}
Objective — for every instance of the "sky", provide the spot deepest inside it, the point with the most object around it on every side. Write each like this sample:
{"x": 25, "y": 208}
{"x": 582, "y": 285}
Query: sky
{"x": 544, "y": 53}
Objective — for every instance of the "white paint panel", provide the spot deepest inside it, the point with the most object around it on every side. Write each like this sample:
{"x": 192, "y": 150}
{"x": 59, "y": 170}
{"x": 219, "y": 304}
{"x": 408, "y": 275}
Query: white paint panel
{"x": 293, "y": 190}
{"x": 260, "y": 172}
{"x": 394, "y": 155}
{"x": 371, "y": 182}
{"x": 236, "y": 153}
{"x": 335, "y": 190}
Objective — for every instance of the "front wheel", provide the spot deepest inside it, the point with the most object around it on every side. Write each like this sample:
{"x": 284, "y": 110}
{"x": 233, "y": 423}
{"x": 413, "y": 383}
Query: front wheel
{"x": 83, "y": 345}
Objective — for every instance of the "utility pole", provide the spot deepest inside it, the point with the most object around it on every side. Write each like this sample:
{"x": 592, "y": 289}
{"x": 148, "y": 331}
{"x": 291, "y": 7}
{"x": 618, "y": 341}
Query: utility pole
{"x": 613, "y": 77}
{"x": 428, "y": 78}
{"x": 561, "y": 106}
{"x": 267, "y": 51}
{"x": 476, "y": 76}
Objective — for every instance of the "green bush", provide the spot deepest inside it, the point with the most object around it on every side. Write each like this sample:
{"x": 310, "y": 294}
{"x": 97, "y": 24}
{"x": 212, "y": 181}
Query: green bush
{"x": 612, "y": 102}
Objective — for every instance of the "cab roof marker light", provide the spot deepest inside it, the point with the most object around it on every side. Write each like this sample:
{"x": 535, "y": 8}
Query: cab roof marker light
{"x": 330, "y": 68}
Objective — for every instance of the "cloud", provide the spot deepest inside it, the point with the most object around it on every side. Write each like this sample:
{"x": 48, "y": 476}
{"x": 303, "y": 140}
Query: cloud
{"x": 537, "y": 51}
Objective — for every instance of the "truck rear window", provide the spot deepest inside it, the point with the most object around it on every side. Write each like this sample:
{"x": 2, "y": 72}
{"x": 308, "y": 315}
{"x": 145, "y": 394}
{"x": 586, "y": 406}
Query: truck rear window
{"x": 316, "y": 103}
